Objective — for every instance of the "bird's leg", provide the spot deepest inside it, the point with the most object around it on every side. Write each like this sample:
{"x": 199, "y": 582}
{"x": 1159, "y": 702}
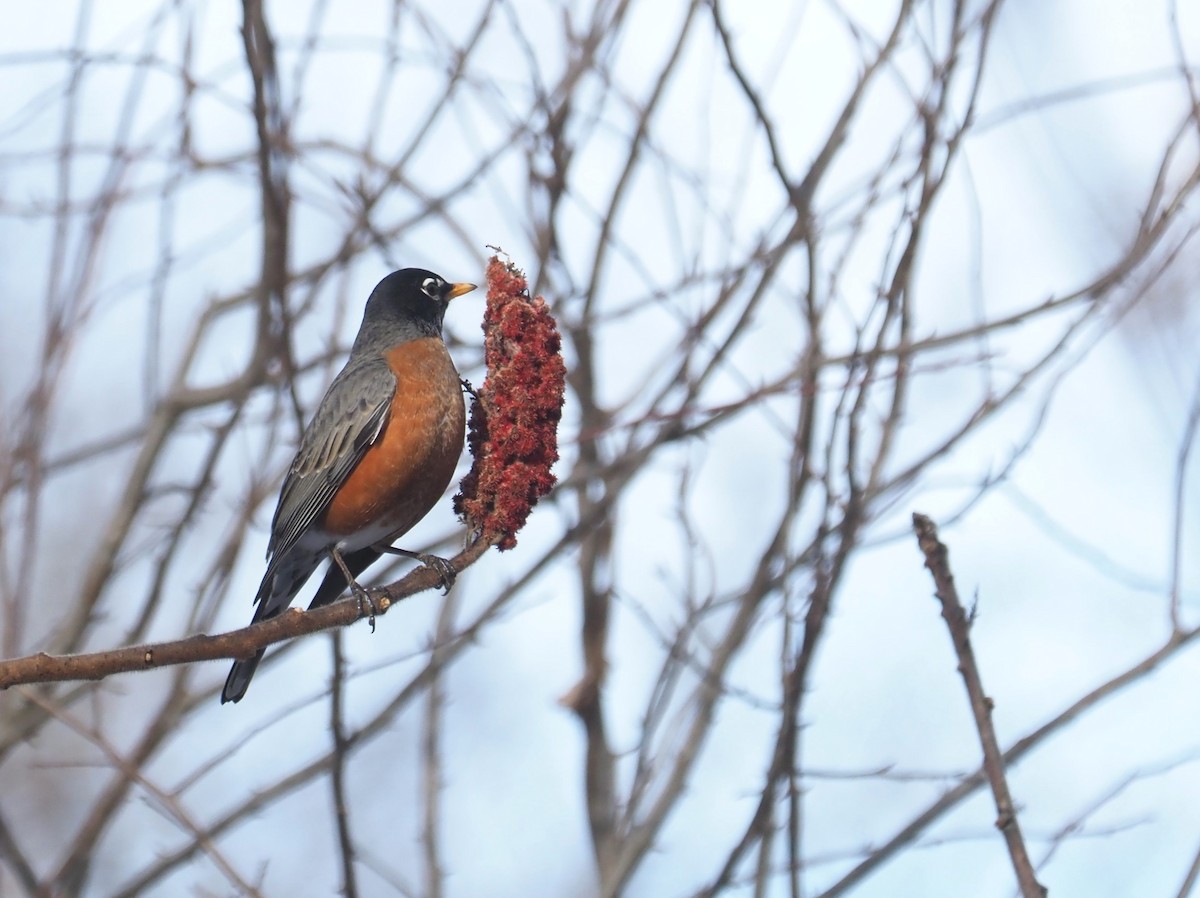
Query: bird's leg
{"x": 445, "y": 571}
{"x": 364, "y": 597}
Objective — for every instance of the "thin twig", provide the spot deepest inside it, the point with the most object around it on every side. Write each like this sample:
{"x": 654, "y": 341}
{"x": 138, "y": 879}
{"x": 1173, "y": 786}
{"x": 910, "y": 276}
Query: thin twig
{"x": 431, "y": 749}
{"x": 937, "y": 559}
{"x": 337, "y": 770}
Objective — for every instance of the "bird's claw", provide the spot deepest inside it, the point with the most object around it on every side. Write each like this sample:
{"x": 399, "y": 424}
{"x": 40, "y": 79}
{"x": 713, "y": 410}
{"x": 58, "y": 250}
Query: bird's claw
{"x": 366, "y": 605}
{"x": 445, "y": 570}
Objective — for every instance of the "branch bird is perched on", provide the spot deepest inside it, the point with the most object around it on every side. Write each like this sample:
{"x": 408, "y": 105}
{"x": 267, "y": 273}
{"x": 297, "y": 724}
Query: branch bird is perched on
{"x": 378, "y": 454}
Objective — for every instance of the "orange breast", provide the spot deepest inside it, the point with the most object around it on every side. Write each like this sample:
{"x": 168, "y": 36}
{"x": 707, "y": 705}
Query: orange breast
{"x": 409, "y": 466}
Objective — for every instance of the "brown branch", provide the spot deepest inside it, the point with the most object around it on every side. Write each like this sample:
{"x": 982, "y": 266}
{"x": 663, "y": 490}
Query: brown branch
{"x": 337, "y": 771}
{"x": 937, "y": 559}
{"x": 1182, "y": 457}
{"x": 966, "y": 787}
{"x": 243, "y": 643}
{"x": 133, "y": 769}
{"x": 15, "y": 861}
{"x": 290, "y": 782}
{"x": 782, "y": 771}
{"x": 81, "y": 848}
{"x": 1189, "y": 881}
{"x": 431, "y": 750}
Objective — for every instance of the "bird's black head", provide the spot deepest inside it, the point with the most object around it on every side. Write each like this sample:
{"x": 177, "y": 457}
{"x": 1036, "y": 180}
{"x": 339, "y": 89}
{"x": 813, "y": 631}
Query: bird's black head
{"x": 408, "y": 303}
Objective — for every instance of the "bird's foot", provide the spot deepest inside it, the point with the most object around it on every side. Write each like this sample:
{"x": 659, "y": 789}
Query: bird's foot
{"x": 445, "y": 570}
{"x": 366, "y": 604}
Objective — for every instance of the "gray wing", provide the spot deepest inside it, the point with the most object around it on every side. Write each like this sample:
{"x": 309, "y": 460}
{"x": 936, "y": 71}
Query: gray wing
{"x": 348, "y": 420}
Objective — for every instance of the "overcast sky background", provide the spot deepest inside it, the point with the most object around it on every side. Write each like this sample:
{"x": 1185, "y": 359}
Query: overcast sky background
{"x": 1069, "y": 559}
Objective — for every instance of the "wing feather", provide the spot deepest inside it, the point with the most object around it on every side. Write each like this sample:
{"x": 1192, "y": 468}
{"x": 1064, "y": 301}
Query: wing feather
{"x": 349, "y": 419}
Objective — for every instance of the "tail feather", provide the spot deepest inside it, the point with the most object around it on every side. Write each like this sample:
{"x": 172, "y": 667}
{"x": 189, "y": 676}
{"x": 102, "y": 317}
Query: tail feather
{"x": 238, "y": 680}
{"x": 279, "y": 586}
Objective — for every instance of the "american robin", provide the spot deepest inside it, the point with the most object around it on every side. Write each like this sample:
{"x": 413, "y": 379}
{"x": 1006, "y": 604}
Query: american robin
{"x": 376, "y": 457}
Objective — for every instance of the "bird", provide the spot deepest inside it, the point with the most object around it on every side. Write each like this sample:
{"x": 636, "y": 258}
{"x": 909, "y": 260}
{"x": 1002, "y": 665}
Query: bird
{"x": 379, "y": 452}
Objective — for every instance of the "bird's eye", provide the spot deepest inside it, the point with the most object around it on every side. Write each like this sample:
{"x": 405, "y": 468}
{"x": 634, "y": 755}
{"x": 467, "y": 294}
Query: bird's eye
{"x": 432, "y": 287}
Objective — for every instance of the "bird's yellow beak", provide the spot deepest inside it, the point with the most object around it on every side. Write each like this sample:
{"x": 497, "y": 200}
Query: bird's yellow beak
{"x": 458, "y": 290}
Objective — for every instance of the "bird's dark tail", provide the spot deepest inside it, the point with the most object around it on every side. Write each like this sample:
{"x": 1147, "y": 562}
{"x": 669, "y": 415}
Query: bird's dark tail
{"x": 238, "y": 680}
{"x": 279, "y": 586}
{"x": 269, "y": 605}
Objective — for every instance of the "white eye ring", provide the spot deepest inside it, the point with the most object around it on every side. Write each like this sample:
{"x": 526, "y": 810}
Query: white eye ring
{"x": 431, "y": 287}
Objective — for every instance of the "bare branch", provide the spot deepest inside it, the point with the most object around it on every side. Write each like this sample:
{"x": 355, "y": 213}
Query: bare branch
{"x": 337, "y": 776}
{"x": 959, "y": 624}
{"x": 243, "y": 643}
